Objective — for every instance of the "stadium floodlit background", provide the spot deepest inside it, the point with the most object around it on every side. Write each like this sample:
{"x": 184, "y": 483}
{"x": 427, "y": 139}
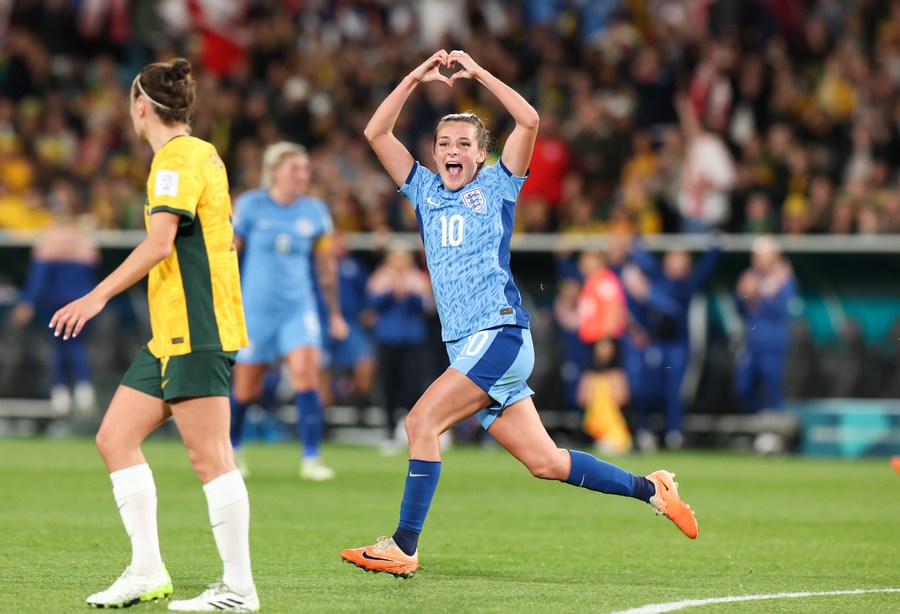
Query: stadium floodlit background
{"x": 800, "y": 99}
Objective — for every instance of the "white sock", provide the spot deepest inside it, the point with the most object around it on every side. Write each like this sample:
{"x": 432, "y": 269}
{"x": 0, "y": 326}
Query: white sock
{"x": 135, "y": 495}
{"x": 229, "y": 515}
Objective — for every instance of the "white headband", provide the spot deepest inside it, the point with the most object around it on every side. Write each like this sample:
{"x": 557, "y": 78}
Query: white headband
{"x": 137, "y": 81}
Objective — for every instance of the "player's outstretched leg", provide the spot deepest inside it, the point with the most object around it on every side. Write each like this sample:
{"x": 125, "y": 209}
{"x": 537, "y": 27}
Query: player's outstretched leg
{"x": 132, "y": 588}
{"x": 658, "y": 489}
{"x": 666, "y": 502}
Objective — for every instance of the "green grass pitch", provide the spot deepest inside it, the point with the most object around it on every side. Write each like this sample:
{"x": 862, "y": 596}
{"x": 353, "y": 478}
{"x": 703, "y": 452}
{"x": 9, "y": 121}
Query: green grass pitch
{"x": 497, "y": 540}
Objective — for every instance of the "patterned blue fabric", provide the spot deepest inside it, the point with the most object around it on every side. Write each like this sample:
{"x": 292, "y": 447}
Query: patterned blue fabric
{"x": 466, "y": 235}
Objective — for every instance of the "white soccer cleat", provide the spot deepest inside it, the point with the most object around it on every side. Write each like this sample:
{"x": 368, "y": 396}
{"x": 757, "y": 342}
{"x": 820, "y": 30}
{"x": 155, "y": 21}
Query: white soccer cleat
{"x": 85, "y": 399}
{"x": 132, "y": 588}
{"x": 217, "y": 598}
{"x": 646, "y": 441}
{"x": 312, "y": 469}
{"x": 60, "y": 400}
{"x": 390, "y": 447}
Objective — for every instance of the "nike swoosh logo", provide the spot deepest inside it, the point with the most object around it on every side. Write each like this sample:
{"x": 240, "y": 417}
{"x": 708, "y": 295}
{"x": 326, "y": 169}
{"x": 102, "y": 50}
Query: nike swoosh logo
{"x": 418, "y": 475}
{"x": 366, "y": 556}
{"x": 432, "y": 202}
{"x": 218, "y": 524}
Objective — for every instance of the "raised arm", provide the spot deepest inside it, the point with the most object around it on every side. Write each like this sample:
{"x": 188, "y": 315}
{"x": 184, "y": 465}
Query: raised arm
{"x": 705, "y": 267}
{"x": 645, "y": 261}
{"x": 394, "y": 156}
{"x": 520, "y": 143}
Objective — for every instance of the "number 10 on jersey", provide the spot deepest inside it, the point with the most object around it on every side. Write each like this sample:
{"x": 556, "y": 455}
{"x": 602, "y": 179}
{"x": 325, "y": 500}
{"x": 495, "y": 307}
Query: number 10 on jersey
{"x": 452, "y": 230}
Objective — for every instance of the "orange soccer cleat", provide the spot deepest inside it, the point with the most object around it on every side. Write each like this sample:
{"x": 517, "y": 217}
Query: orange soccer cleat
{"x": 895, "y": 463}
{"x": 385, "y": 556}
{"x": 666, "y": 502}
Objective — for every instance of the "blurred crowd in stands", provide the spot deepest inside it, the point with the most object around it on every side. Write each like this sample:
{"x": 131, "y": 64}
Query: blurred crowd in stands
{"x": 657, "y": 115}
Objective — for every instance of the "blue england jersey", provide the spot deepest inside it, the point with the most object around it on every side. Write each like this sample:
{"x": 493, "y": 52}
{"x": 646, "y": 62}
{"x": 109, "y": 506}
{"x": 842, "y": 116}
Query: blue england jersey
{"x": 466, "y": 235}
{"x": 276, "y": 269}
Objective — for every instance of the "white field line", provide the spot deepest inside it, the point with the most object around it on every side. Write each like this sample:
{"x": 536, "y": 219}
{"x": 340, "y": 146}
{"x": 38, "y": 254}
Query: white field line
{"x": 658, "y": 608}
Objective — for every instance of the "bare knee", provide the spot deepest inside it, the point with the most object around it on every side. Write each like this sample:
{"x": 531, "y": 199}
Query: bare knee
{"x": 418, "y": 426}
{"x": 104, "y": 444}
{"x": 211, "y": 460}
{"x": 111, "y": 445}
{"x": 555, "y": 466}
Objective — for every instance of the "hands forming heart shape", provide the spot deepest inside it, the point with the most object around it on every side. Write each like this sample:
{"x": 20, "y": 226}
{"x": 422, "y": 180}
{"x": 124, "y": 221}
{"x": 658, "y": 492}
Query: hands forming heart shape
{"x": 430, "y": 69}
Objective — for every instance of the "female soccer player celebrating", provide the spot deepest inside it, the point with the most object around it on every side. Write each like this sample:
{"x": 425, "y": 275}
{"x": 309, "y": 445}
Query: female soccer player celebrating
{"x": 465, "y": 213}
{"x": 185, "y": 370}
{"x": 279, "y": 229}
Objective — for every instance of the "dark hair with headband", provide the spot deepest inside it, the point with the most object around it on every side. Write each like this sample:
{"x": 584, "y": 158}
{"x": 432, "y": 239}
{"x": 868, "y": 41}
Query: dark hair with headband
{"x": 169, "y": 87}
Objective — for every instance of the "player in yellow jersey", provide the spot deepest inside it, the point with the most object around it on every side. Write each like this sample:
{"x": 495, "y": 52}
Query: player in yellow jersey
{"x": 197, "y": 320}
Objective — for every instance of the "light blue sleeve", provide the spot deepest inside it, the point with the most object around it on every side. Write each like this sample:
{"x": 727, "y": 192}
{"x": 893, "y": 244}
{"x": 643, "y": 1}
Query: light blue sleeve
{"x": 502, "y": 180}
{"x": 243, "y": 214}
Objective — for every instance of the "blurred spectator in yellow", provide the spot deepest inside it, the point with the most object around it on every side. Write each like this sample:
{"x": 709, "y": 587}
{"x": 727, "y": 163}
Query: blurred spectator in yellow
{"x": 795, "y": 215}
{"x": 580, "y": 217}
{"x": 640, "y": 208}
{"x": 21, "y": 207}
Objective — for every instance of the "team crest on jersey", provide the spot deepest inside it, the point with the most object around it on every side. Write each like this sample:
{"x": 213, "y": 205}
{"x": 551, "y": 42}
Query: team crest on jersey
{"x": 474, "y": 199}
{"x": 305, "y": 228}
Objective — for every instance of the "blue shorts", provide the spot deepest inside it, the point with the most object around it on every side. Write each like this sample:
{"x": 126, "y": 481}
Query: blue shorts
{"x": 347, "y": 352}
{"x": 273, "y": 337}
{"x": 499, "y": 360}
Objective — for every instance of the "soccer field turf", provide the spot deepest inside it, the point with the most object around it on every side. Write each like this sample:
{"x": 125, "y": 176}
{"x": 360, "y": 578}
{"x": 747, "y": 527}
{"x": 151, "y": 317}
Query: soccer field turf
{"x": 496, "y": 540}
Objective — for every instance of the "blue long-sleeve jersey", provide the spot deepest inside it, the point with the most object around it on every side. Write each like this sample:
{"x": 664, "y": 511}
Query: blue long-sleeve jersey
{"x": 400, "y": 320}
{"x": 667, "y": 309}
{"x": 767, "y": 321}
{"x": 52, "y": 283}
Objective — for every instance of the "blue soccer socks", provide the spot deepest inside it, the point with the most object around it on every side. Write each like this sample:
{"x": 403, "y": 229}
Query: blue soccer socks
{"x": 421, "y": 482}
{"x": 592, "y": 473}
{"x": 238, "y": 414}
{"x": 310, "y": 422}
